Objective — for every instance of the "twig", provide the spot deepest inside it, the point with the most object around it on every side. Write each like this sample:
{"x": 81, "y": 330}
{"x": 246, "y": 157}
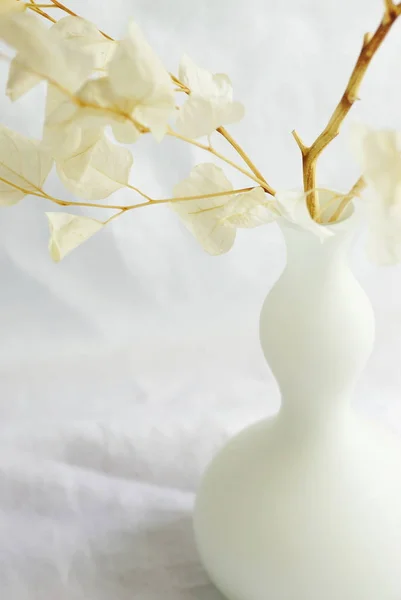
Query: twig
{"x": 39, "y": 193}
{"x": 40, "y": 12}
{"x": 310, "y": 154}
{"x": 245, "y": 158}
{"x": 211, "y": 150}
{"x": 67, "y": 10}
{"x": 355, "y": 191}
{"x": 64, "y": 8}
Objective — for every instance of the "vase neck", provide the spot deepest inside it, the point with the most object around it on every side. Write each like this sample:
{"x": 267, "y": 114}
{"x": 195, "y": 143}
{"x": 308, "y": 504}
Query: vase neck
{"x": 312, "y": 259}
{"x": 317, "y": 328}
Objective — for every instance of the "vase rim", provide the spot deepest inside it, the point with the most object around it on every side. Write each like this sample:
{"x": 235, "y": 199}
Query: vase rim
{"x": 347, "y": 224}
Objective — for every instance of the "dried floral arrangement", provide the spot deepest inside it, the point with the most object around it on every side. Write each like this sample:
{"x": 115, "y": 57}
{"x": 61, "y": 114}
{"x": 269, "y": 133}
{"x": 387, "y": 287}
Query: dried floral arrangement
{"x": 96, "y": 85}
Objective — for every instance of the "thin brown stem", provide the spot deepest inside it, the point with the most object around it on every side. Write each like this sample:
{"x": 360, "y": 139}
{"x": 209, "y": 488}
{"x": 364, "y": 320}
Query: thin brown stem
{"x": 73, "y": 14}
{"x": 211, "y": 150}
{"x": 39, "y": 193}
{"x": 138, "y": 191}
{"x": 40, "y": 12}
{"x": 64, "y": 8}
{"x": 223, "y": 131}
{"x": 355, "y": 191}
{"x": 310, "y": 154}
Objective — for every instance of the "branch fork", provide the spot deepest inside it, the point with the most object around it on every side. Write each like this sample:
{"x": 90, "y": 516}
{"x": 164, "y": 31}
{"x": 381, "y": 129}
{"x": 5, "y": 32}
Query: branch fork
{"x": 310, "y": 154}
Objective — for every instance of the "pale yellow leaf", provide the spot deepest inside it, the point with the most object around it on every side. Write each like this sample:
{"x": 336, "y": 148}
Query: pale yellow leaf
{"x": 24, "y": 166}
{"x": 205, "y": 218}
{"x": 84, "y": 35}
{"x": 41, "y": 54}
{"x": 100, "y": 106}
{"x": 293, "y": 207}
{"x": 67, "y": 232}
{"x": 379, "y": 154}
{"x": 210, "y": 104}
{"x": 8, "y": 6}
{"x": 62, "y": 134}
{"x": 147, "y": 75}
{"x": 250, "y": 209}
{"x": 137, "y": 92}
{"x": 97, "y": 169}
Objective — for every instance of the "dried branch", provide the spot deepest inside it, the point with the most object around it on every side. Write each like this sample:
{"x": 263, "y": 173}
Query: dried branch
{"x": 355, "y": 191}
{"x": 32, "y": 6}
{"x": 246, "y": 159}
{"x": 259, "y": 177}
{"x": 310, "y": 154}
{"x": 261, "y": 182}
{"x": 40, "y": 193}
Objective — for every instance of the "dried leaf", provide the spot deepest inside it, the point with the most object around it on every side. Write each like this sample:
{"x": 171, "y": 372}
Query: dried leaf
{"x": 210, "y": 104}
{"x": 41, "y": 54}
{"x": 147, "y": 75}
{"x": 250, "y": 209}
{"x": 97, "y": 169}
{"x": 204, "y": 218}
{"x": 24, "y": 166}
{"x": 293, "y": 207}
{"x": 379, "y": 154}
{"x": 8, "y": 6}
{"x": 67, "y": 232}
{"x": 85, "y": 36}
{"x": 145, "y": 97}
{"x": 62, "y": 133}
{"x": 101, "y": 107}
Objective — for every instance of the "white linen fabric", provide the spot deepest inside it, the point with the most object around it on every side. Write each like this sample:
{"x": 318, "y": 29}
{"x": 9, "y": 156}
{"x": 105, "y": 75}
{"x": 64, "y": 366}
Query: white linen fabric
{"x": 126, "y": 366}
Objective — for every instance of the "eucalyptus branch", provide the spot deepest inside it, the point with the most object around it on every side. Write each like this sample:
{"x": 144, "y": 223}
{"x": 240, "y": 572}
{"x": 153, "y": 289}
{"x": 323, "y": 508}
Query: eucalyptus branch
{"x": 310, "y": 154}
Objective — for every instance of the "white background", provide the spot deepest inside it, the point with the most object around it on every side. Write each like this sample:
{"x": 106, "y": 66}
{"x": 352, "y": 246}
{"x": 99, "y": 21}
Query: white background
{"x": 123, "y": 368}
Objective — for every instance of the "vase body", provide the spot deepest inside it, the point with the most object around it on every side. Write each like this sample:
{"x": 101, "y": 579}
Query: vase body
{"x": 306, "y": 505}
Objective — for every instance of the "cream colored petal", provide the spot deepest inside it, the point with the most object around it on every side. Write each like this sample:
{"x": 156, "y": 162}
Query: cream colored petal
{"x": 148, "y": 89}
{"x": 293, "y": 207}
{"x": 101, "y": 106}
{"x": 135, "y": 71}
{"x": 205, "y": 178}
{"x": 200, "y": 81}
{"x": 231, "y": 113}
{"x": 67, "y": 232}
{"x": 196, "y": 118}
{"x": 200, "y": 116}
{"x": 98, "y": 168}
{"x": 41, "y": 53}
{"x": 204, "y": 218}
{"x": 8, "y": 6}
{"x": 384, "y": 236}
{"x": 379, "y": 154}
{"x": 155, "y": 113}
{"x": 250, "y": 209}
{"x": 84, "y": 35}
{"x": 24, "y": 166}
{"x": 125, "y": 132}
{"x": 62, "y": 134}
{"x": 19, "y": 80}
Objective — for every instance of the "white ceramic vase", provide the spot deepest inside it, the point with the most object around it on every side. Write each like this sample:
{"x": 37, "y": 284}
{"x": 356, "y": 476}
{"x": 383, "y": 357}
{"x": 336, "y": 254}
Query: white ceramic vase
{"x": 307, "y": 505}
